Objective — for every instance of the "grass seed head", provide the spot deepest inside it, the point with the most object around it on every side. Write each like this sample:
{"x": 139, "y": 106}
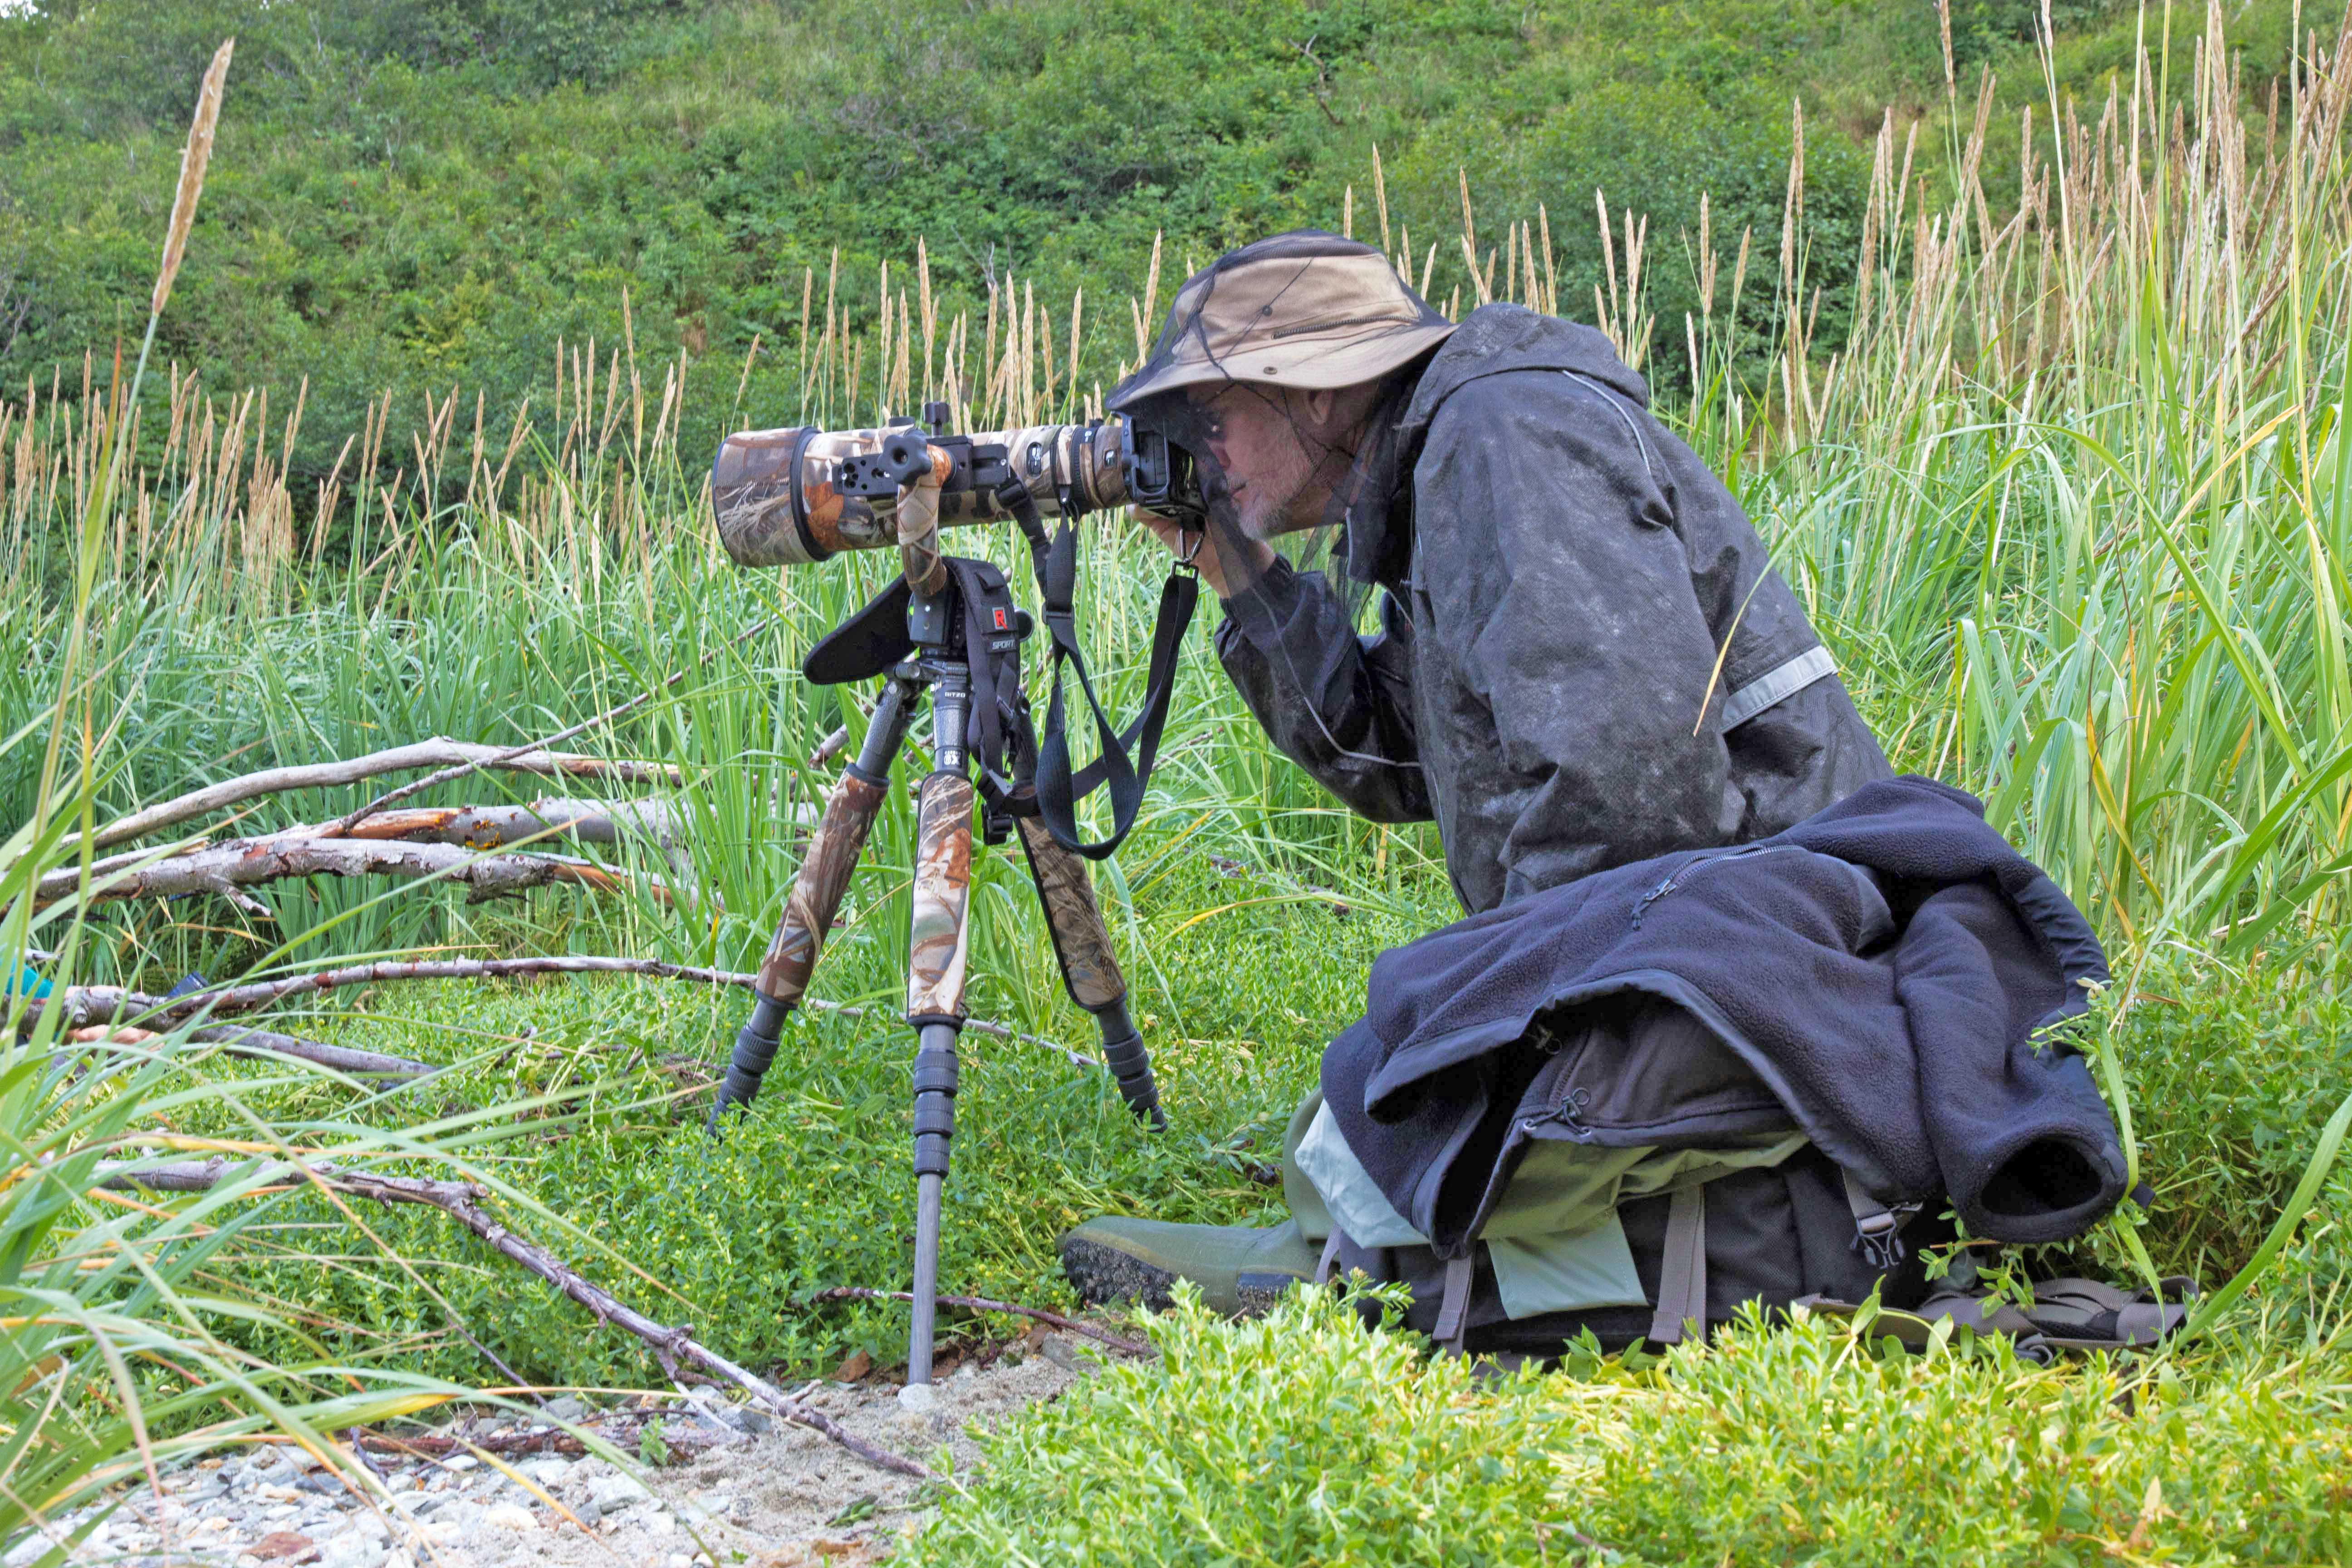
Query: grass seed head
{"x": 193, "y": 160}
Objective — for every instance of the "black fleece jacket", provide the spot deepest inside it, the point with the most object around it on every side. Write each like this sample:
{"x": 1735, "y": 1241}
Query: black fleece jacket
{"x": 1882, "y": 977}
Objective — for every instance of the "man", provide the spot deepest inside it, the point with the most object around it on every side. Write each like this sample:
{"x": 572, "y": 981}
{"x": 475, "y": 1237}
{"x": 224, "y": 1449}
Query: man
{"x": 1584, "y": 658}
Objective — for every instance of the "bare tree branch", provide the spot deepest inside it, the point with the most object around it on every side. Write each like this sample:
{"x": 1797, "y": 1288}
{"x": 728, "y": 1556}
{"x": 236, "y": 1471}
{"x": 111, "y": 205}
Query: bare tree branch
{"x": 462, "y": 1200}
{"x": 241, "y": 1041}
{"x": 223, "y": 868}
{"x": 105, "y": 1004}
{"x": 446, "y": 774}
{"x": 433, "y": 753}
{"x": 495, "y": 826}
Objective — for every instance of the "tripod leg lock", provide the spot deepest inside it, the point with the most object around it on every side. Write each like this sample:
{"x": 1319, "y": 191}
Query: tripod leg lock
{"x": 935, "y": 1091}
{"x": 1129, "y": 1061}
{"x": 755, "y": 1049}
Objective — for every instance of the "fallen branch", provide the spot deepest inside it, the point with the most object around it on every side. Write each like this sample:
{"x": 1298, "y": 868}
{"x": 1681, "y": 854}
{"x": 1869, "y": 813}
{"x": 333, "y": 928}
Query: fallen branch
{"x": 448, "y": 775}
{"x": 462, "y": 1200}
{"x": 106, "y": 1003}
{"x": 437, "y": 752}
{"x": 241, "y": 1041}
{"x": 431, "y": 1447}
{"x": 225, "y": 868}
{"x": 981, "y": 1304}
{"x": 496, "y": 826}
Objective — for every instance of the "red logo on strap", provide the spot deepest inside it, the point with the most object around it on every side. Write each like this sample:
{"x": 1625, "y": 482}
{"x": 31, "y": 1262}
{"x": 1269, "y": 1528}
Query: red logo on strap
{"x": 1003, "y": 621}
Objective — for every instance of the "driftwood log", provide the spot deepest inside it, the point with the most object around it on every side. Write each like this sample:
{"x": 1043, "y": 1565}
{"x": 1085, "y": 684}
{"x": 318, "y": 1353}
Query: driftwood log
{"x": 497, "y": 826}
{"x": 432, "y": 753}
{"x": 227, "y": 868}
{"x": 462, "y": 1200}
{"x": 239, "y": 1040}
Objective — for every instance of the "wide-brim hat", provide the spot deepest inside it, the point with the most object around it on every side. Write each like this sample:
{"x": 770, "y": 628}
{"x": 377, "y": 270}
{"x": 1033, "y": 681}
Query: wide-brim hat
{"x": 1306, "y": 308}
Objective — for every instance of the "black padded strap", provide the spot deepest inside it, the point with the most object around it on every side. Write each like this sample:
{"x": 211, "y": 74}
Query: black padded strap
{"x": 1454, "y": 1307}
{"x": 1126, "y": 756}
{"x": 1681, "y": 1270}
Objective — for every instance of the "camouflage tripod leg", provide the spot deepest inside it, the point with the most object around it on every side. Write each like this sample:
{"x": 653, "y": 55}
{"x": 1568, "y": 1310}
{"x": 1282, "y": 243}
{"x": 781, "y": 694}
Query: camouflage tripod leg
{"x": 1090, "y": 970}
{"x": 816, "y": 897}
{"x": 936, "y": 957}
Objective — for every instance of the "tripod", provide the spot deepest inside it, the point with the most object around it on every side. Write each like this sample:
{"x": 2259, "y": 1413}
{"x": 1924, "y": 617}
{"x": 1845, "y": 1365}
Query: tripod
{"x": 936, "y": 953}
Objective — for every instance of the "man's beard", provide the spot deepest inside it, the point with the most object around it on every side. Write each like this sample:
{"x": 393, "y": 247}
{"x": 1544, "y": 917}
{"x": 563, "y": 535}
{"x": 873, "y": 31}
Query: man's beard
{"x": 1273, "y": 502}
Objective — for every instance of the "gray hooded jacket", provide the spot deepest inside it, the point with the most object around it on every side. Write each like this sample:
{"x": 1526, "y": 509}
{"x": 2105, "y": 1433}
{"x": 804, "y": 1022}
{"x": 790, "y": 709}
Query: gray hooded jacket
{"x": 1551, "y": 682}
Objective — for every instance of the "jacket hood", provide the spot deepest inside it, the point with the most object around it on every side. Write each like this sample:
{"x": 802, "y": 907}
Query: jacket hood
{"x": 1494, "y": 338}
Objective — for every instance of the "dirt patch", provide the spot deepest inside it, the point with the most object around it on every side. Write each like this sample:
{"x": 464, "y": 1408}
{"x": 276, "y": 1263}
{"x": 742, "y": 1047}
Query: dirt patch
{"x": 767, "y": 1497}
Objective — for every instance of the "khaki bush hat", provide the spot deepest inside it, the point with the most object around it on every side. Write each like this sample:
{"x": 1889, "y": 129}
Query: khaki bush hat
{"x": 1306, "y": 308}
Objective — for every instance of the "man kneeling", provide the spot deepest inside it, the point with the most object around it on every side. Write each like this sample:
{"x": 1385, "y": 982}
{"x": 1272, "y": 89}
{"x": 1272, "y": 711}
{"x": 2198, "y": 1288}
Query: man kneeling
{"x": 1585, "y": 662}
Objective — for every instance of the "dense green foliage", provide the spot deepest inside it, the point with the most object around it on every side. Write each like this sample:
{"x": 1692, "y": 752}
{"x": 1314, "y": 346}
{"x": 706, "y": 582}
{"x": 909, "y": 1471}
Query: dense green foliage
{"x": 2080, "y": 545}
{"x": 429, "y": 194}
{"x": 1302, "y": 1439}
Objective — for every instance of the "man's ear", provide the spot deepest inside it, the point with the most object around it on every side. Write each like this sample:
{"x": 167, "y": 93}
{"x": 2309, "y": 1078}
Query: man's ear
{"x": 1317, "y": 407}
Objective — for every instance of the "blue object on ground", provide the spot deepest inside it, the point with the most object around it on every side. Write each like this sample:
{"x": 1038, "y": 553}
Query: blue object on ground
{"x": 28, "y": 984}
{"x": 188, "y": 983}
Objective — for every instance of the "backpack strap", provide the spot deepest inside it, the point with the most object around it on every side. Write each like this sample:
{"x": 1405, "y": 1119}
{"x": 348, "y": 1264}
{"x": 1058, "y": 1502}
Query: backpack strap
{"x": 1454, "y": 1308}
{"x": 1681, "y": 1270}
{"x": 1332, "y": 1245}
{"x": 1878, "y": 1226}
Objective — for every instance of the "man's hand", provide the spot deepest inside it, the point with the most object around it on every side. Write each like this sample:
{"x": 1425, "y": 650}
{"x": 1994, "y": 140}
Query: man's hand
{"x": 1211, "y": 553}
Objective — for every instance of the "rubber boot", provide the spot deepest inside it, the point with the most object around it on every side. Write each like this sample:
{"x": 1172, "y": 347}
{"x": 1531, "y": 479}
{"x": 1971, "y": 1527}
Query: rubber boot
{"x": 1240, "y": 1271}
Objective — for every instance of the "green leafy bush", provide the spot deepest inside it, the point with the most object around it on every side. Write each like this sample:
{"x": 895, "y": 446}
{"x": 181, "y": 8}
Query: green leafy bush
{"x": 1301, "y": 1438}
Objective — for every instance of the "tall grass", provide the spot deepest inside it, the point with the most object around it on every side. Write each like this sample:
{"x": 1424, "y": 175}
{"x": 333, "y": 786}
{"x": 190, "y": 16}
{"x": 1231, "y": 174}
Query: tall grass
{"x": 123, "y": 1317}
{"x": 2072, "y": 505}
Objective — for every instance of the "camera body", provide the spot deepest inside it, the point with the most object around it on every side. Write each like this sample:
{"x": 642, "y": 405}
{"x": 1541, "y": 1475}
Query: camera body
{"x": 1161, "y": 475}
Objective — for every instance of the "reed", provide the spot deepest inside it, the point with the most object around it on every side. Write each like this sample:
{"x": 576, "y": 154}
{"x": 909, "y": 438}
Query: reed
{"x": 2066, "y": 498}
{"x": 2071, "y": 502}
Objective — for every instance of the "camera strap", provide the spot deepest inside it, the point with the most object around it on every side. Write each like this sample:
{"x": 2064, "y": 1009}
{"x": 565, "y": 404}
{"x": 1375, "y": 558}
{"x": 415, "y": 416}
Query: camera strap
{"x": 1125, "y": 756}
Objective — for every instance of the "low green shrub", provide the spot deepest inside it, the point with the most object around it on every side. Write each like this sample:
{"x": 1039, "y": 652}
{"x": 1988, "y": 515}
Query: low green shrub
{"x": 2233, "y": 1072}
{"x": 1302, "y": 1438}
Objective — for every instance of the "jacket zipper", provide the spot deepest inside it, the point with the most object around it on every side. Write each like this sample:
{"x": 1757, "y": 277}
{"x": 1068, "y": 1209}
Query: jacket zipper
{"x": 1681, "y": 873}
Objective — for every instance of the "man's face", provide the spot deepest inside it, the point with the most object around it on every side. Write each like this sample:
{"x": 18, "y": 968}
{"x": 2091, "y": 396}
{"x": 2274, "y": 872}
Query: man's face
{"x": 1270, "y": 455}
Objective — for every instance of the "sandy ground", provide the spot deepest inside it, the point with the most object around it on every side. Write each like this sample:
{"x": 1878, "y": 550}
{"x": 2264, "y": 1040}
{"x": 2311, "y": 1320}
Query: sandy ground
{"x": 764, "y": 1499}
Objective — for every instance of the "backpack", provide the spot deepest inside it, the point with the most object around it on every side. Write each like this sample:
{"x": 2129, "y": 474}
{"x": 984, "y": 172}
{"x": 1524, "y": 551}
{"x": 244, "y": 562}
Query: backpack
{"x": 1775, "y": 1235}
{"x": 1788, "y": 1228}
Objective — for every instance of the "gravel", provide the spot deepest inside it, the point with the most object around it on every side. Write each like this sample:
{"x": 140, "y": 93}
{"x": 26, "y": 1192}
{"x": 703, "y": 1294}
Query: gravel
{"x": 760, "y": 1491}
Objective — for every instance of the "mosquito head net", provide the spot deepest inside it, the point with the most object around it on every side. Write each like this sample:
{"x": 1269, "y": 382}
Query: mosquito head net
{"x": 1284, "y": 370}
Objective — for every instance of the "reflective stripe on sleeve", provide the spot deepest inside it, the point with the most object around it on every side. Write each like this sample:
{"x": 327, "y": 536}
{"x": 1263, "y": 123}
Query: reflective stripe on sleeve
{"x": 1773, "y": 685}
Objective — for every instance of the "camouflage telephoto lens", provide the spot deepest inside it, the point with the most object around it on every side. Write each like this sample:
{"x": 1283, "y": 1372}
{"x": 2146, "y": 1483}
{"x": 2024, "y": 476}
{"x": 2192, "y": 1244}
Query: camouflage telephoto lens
{"x": 780, "y": 499}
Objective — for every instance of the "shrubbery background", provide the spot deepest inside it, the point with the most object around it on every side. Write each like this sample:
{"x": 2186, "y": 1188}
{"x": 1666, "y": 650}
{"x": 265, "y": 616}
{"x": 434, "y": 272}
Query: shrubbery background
{"x": 418, "y": 195}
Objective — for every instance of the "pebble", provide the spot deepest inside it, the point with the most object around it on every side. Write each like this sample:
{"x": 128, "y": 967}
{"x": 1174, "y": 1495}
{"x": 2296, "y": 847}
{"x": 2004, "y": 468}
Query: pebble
{"x": 509, "y": 1516}
{"x": 917, "y": 1397}
{"x": 616, "y": 1492}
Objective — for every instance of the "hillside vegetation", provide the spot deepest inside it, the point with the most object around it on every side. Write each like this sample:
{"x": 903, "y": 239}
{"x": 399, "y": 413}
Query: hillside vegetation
{"x": 2057, "y": 463}
{"x": 423, "y": 197}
